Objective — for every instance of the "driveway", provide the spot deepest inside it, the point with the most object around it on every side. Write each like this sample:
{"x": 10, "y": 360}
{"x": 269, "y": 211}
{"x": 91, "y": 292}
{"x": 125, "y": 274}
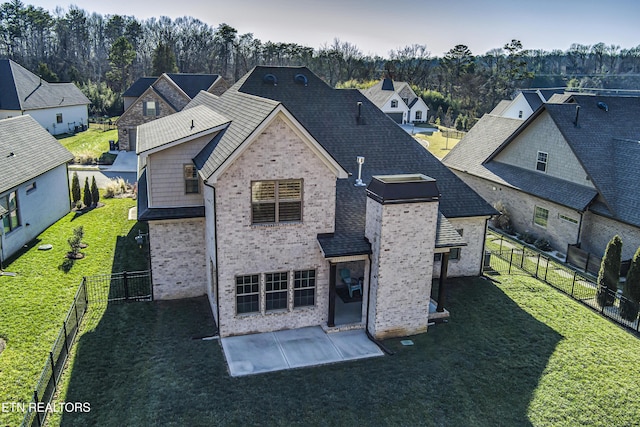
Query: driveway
{"x": 124, "y": 166}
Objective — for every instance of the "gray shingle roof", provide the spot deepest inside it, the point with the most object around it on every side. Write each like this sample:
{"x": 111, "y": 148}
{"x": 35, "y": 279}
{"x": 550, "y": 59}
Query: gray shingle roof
{"x": 329, "y": 115}
{"x": 20, "y": 89}
{"x": 27, "y": 150}
{"x": 606, "y": 143}
{"x": 177, "y": 126}
{"x": 190, "y": 84}
{"x": 446, "y": 234}
{"x": 388, "y": 150}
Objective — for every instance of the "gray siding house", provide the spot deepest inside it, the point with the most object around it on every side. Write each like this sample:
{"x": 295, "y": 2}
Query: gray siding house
{"x": 569, "y": 173}
{"x": 288, "y": 214}
{"x": 34, "y": 183}
{"x": 58, "y": 107}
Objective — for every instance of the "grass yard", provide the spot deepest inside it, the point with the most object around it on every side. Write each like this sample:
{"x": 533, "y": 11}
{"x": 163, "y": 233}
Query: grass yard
{"x": 90, "y": 144}
{"x": 34, "y": 303}
{"x": 515, "y": 353}
{"x": 436, "y": 143}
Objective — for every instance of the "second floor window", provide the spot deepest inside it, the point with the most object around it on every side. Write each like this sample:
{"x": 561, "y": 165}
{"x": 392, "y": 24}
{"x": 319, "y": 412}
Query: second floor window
{"x": 541, "y": 164}
{"x": 418, "y": 115}
{"x": 394, "y": 104}
{"x": 191, "y": 183}
{"x": 150, "y": 108}
{"x": 276, "y": 201}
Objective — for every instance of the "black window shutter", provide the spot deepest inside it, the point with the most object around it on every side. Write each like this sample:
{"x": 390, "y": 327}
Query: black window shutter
{"x": 157, "y": 108}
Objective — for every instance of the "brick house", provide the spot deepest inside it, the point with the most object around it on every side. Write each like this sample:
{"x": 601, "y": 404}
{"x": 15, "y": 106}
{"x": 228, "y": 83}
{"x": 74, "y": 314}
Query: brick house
{"x": 270, "y": 205}
{"x": 398, "y": 101}
{"x": 568, "y": 173}
{"x": 151, "y": 98}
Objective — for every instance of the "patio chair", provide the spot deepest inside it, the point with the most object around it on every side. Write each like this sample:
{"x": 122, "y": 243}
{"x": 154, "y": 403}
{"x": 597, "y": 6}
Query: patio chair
{"x": 352, "y": 284}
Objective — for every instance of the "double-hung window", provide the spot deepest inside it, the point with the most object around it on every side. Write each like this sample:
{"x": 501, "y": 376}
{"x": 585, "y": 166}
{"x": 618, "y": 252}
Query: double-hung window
{"x": 276, "y": 291}
{"x": 248, "y": 294}
{"x": 276, "y": 201}
{"x": 541, "y": 216}
{"x": 394, "y": 103}
{"x": 191, "y": 183}
{"x": 304, "y": 288}
{"x": 150, "y": 108}
{"x": 10, "y": 218}
{"x": 541, "y": 163}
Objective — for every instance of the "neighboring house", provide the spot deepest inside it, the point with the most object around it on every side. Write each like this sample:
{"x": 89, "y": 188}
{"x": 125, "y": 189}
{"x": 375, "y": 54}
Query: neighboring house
{"x": 569, "y": 173}
{"x": 34, "y": 183}
{"x": 527, "y": 101}
{"x": 58, "y": 107}
{"x": 151, "y": 98}
{"x": 398, "y": 101}
{"x": 254, "y": 199}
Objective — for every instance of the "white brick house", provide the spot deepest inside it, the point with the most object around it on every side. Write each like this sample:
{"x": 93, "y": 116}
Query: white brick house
{"x": 568, "y": 173}
{"x": 398, "y": 101}
{"x": 252, "y": 199}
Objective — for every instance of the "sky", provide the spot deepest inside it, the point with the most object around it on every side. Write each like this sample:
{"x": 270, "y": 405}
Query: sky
{"x": 377, "y": 26}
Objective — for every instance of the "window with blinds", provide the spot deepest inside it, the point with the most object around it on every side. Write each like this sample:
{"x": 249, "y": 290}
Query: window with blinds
{"x": 276, "y": 201}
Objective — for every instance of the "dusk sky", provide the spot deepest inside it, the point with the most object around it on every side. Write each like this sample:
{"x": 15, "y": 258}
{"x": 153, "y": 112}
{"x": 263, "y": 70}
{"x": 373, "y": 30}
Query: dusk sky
{"x": 377, "y": 26}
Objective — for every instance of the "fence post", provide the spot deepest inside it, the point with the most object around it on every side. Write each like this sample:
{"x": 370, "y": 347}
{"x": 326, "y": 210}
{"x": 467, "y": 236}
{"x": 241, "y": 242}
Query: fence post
{"x": 35, "y": 398}
{"x": 501, "y": 239}
{"x": 538, "y": 265}
{"x": 510, "y": 260}
{"x": 84, "y": 287}
{"x": 586, "y": 264}
{"x": 126, "y": 286}
{"x": 53, "y": 371}
{"x": 524, "y": 251}
{"x": 546, "y": 270}
{"x": 64, "y": 328}
{"x": 573, "y": 285}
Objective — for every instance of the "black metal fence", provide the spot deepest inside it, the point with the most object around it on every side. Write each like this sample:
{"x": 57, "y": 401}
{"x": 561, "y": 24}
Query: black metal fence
{"x": 511, "y": 256}
{"x": 93, "y": 291}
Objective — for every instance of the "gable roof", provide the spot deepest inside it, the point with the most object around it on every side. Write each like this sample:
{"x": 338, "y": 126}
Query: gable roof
{"x": 22, "y": 90}
{"x": 190, "y": 84}
{"x": 382, "y": 91}
{"x": 175, "y": 127}
{"x": 331, "y": 119}
{"x": 387, "y": 148}
{"x": 27, "y": 150}
{"x": 606, "y": 142}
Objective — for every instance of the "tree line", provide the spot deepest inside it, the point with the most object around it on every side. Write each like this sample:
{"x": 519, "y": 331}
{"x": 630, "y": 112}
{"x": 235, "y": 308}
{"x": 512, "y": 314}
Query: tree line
{"x": 105, "y": 54}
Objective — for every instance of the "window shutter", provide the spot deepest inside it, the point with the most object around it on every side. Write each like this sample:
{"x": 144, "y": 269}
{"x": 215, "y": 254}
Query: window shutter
{"x": 144, "y": 108}
{"x": 157, "y": 108}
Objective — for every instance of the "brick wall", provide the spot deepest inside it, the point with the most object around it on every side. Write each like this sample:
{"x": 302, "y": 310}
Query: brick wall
{"x": 278, "y": 153}
{"x": 402, "y": 238}
{"x": 470, "y": 259}
{"x": 177, "y": 258}
{"x": 597, "y": 231}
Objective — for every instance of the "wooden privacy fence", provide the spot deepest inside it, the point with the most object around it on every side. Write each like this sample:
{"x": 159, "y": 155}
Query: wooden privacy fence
{"x": 510, "y": 256}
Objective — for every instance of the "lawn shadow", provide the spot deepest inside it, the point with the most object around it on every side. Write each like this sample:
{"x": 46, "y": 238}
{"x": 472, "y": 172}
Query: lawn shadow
{"x": 128, "y": 254}
{"x": 140, "y": 365}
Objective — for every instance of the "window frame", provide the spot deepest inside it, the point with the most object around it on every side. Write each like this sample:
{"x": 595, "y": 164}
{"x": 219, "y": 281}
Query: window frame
{"x": 536, "y": 216}
{"x": 59, "y": 119}
{"x": 253, "y": 281}
{"x": 11, "y": 219}
{"x": 302, "y": 286}
{"x": 277, "y": 202}
{"x": 146, "y": 110}
{"x": 568, "y": 219}
{"x": 544, "y": 163}
{"x": 279, "y": 293}
{"x": 190, "y": 180}
{"x": 394, "y": 103}
{"x": 418, "y": 115}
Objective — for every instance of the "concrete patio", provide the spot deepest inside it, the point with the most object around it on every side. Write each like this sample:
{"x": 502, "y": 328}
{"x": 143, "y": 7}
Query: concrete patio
{"x": 294, "y": 348}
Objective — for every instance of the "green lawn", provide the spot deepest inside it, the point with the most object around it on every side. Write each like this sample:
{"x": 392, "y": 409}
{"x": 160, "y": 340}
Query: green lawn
{"x": 437, "y": 144}
{"x": 34, "y": 303}
{"x": 514, "y": 353}
{"x": 90, "y": 144}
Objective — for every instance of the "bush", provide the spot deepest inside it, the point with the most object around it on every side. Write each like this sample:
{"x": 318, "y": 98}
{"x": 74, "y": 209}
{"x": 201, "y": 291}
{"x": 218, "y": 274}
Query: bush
{"x": 542, "y": 244}
{"x": 117, "y": 187}
{"x": 527, "y": 237}
{"x": 631, "y": 291}
{"x": 95, "y": 194}
{"x": 503, "y": 219}
{"x": 609, "y": 274}
{"x": 86, "y": 196}
{"x": 75, "y": 188}
{"x": 75, "y": 242}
